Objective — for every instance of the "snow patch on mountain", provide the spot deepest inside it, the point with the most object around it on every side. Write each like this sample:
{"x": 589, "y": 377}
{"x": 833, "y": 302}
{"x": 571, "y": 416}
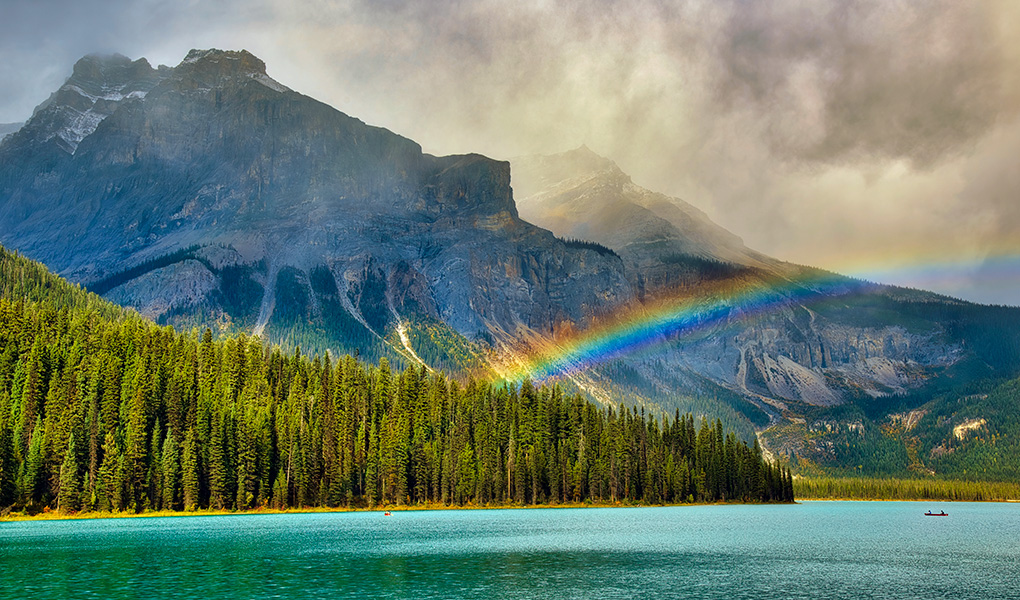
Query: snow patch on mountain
{"x": 270, "y": 83}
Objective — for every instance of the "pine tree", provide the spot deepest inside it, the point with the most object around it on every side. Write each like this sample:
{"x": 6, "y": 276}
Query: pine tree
{"x": 32, "y": 468}
{"x": 190, "y": 472}
{"x": 110, "y": 485}
{"x": 279, "y": 498}
{"x": 8, "y": 460}
{"x": 171, "y": 473}
{"x": 218, "y": 471}
{"x": 69, "y": 497}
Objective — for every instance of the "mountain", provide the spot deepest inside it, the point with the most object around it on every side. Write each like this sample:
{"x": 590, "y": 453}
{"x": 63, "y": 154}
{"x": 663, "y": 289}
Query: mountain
{"x": 210, "y": 193}
{"x": 663, "y": 241}
{"x": 812, "y": 354}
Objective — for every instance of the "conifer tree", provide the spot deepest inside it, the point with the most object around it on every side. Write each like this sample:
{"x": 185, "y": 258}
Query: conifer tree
{"x": 190, "y": 472}
{"x": 32, "y": 468}
{"x": 8, "y": 459}
{"x": 171, "y": 478}
{"x": 218, "y": 471}
{"x": 69, "y": 497}
{"x": 110, "y": 485}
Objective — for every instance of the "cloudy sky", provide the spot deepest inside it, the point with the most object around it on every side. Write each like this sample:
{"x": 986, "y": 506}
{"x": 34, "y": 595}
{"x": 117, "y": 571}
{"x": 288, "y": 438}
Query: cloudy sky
{"x": 875, "y": 137}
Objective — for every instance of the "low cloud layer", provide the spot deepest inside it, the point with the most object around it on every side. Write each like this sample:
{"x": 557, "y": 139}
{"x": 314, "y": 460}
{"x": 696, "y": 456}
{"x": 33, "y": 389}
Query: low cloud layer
{"x": 826, "y": 131}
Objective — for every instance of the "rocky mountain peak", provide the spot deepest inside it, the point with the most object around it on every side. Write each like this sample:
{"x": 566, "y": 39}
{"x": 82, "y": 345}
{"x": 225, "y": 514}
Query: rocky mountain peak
{"x": 586, "y": 158}
{"x": 225, "y": 61}
{"x": 665, "y": 242}
{"x": 567, "y": 168}
{"x": 96, "y": 73}
{"x": 97, "y": 86}
{"x": 213, "y": 68}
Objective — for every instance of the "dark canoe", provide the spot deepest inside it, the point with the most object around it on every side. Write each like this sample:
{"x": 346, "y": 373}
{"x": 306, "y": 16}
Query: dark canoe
{"x": 938, "y": 514}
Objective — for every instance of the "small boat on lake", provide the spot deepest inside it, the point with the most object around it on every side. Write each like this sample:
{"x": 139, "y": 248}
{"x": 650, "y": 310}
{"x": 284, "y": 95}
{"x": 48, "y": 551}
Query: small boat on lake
{"x": 938, "y": 514}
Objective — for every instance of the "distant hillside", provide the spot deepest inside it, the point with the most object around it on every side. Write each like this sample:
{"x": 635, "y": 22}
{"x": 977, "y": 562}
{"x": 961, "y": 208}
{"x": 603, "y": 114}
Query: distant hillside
{"x": 835, "y": 375}
{"x": 969, "y": 432}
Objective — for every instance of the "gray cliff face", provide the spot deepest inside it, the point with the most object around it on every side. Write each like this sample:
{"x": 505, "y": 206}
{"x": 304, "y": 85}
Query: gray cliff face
{"x": 210, "y": 192}
{"x": 799, "y": 355}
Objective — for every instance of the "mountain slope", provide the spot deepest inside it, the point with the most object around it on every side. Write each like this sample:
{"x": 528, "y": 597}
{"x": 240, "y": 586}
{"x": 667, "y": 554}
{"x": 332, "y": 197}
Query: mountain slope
{"x": 870, "y": 341}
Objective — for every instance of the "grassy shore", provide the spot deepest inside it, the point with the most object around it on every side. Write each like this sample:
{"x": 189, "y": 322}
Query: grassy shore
{"x": 59, "y": 515}
{"x": 862, "y": 488}
{"x": 805, "y": 488}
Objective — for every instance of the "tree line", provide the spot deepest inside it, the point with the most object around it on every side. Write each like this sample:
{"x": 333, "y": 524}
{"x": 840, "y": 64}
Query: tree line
{"x": 872, "y": 488}
{"x": 118, "y": 414}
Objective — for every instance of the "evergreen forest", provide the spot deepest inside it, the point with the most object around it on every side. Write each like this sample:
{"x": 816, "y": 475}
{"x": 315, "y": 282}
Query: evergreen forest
{"x": 101, "y": 410}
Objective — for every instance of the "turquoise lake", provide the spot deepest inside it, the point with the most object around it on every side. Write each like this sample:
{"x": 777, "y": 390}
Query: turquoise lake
{"x": 811, "y": 550}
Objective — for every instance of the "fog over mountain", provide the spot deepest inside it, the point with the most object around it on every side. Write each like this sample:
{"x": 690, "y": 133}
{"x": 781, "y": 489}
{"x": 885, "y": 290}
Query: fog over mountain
{"x": 862, "y": 136}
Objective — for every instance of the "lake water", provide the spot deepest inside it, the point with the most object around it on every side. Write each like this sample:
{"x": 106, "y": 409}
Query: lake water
{"x": 812, "y": 550}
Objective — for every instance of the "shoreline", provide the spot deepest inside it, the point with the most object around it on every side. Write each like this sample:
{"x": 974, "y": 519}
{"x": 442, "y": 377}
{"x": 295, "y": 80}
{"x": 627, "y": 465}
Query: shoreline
{"x": 932, "y": 500}
{"x": 85, "y": 516}
{"x": 54, "y": 515}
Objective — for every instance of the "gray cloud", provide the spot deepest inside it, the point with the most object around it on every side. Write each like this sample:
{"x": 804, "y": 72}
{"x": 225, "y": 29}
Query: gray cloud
{"x": 838, "y": 79}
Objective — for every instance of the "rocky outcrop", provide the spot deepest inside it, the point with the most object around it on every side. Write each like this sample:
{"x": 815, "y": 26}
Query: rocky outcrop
{"x": 98, "y": 86}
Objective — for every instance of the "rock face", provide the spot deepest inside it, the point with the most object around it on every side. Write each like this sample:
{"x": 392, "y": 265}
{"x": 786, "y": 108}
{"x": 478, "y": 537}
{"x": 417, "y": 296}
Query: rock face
{"x": 211, "y": 189}
{"x": 96, "y": 88}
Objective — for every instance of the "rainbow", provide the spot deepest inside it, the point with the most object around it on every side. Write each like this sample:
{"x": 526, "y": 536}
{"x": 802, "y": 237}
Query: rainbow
{"x": 635, "y": 329}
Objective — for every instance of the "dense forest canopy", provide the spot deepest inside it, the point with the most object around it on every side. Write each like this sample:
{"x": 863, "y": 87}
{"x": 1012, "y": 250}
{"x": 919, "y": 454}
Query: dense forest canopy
{"x": 103, "y": 410}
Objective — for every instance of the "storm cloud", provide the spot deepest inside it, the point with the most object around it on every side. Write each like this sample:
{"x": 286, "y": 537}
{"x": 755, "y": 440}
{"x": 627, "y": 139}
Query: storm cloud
{"x": 838, "y": 80}
{"x": 824, "y": 131}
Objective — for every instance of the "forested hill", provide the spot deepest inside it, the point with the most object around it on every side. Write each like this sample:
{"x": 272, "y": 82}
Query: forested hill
{"x": 103, "y": 410}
